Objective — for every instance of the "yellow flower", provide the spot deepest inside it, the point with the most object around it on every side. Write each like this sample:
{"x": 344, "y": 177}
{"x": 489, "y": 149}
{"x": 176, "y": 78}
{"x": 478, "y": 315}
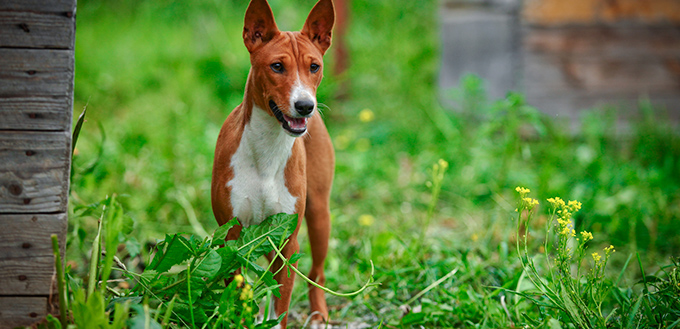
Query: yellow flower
{"x": 366, "y": 115}
{"x": 586, "y": 236}
{"x": 522, "y": 191}
{"x": 565, "y": 231}
{"x": 247, "y": 292}
{"x": 563, "y": 222}
{"x": 366, "y": 220}
{"x": 443, "y": 164}
{"x": 596, "y": 257}
{"x": 574, "y": 205}
{"x": 556, "y": 202}
{"x": 609, "y": 250}
{"x": 239, "y": 279}
{"x": 474, "y": 237}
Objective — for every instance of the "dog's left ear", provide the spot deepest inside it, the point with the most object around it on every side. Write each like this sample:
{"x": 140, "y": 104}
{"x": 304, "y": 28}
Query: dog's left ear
{"x": 319, "y": 24}
{"x": 259, "y": 26}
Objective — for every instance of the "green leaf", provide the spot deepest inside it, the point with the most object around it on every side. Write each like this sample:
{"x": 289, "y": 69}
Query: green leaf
{"x": 182, "y": 309}
{"x": 89, "y": 313}
{"x": 633, "y": 312}
{"x": 535, "y": 323}
{"x": 52, "y": 322}
{"x": 252, "y": 238}
{"x": 120, "y": 315}
{"x": 221, "y": 232}
{"x": 175, "y": 252}
{"x": 202, "y": 273}
{"x": 295, "y": 257}
{"x": 554, "y": 324}
{"x": 208, "y": 267}
{"x": 139, "y": 321}
{"x": 133, "y": 247}
{"x": 413, "y": 318}
{"x": 76, "y": 130}
{"x": 228, "y": 254}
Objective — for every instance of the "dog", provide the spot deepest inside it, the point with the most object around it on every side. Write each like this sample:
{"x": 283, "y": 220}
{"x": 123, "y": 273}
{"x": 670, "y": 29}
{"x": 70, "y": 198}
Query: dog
{"x": 274, "y": 153}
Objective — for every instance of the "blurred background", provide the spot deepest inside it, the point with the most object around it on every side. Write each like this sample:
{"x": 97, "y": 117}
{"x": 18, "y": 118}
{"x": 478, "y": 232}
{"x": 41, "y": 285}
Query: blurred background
{"x": 567, "y": 56}
{"x": 578, "y": 99}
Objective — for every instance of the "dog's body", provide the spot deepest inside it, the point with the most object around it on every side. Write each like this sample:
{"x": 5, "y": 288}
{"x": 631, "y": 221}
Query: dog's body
{"x": 274, "y": 153}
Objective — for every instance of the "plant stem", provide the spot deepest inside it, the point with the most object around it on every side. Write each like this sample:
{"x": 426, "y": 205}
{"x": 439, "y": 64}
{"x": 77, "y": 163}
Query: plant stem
{"x": 94, "y": 258}
{"x": 310, "y": 281}
{"x": 191, "y": 304}
{"x": 168, "y": 312}
{"x": 63, "y": 302}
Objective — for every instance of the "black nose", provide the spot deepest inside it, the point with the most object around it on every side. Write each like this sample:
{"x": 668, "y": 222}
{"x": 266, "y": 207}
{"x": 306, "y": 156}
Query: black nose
{"x": 304, "y": 107}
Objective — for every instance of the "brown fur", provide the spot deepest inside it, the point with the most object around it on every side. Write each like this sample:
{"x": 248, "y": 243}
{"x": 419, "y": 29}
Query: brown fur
{"x": 309, "y": 170}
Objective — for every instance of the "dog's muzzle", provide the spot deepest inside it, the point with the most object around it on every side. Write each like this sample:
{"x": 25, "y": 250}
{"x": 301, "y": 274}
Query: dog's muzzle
{"x": 294, "y": 126}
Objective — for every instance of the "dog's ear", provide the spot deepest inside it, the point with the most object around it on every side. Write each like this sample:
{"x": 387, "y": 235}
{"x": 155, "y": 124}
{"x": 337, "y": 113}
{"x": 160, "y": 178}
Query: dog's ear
{"x": 259, "y": 26}
{"x": 319, "y": 24}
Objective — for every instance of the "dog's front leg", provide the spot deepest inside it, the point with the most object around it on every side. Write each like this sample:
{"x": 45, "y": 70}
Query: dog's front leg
{"x": 282, "y": 304}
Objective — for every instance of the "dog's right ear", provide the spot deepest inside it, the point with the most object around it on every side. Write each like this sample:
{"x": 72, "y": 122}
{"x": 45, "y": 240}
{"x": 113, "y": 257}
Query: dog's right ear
{"x": 259, "y": 26}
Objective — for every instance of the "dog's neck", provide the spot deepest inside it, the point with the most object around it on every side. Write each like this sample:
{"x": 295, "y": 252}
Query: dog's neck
{"x": 259, "y": 185}
{"x": 267, "y": 143}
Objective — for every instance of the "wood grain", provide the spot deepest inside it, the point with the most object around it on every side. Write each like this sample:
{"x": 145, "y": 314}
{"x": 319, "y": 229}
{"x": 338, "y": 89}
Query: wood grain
{"x": 36, "y": 72}
{"x": 26, "y": 258}
{"x": 21, "y": 311}
{"x": 36, "y": 97}
{"x": 47, "y": 6}
{"x": 34, "y": 173}
{"x": 35, "y": 113}
{"x": 36, "y": 30}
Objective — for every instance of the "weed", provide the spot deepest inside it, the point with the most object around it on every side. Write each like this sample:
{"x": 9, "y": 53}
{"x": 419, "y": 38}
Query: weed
{"x": 569, "y": 296}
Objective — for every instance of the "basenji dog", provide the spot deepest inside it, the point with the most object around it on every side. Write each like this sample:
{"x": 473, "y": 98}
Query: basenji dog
{"x": 273, "y": 153}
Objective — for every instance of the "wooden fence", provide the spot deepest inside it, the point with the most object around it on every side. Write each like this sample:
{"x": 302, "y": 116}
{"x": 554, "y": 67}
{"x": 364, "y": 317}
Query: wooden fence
{"x": 36, "y": 95}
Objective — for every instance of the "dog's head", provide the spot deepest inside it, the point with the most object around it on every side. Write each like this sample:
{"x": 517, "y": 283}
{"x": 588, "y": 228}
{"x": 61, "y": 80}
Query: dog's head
{"x": 287, "y": 67}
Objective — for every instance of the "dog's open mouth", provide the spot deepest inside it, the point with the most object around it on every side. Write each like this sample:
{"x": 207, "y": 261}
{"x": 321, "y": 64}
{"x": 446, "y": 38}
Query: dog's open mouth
{"x": 294, "y": 126}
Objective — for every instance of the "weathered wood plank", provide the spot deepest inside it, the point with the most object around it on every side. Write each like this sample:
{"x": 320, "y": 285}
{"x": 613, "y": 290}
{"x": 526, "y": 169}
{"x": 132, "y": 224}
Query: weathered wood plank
{"x": 37, "y": 30}
{"x": 35, "y": 113}
{"x": 21, "y": 311}
{"x": 547, "y": 73}
{"x": 560, "y": 12}
{"x": 47, "y": 6}
{"x": 34, "y": 171}
{"x": 619, "y": 42}
{"x": 36, "y": 72}
{"x": 26, "y": 259}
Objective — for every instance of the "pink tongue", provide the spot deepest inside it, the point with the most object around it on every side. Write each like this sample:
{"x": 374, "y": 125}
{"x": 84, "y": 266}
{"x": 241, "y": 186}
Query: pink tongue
{"x": 296, "y": 123}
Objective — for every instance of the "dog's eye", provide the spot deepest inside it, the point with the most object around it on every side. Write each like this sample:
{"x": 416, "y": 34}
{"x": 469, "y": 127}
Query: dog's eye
{"x": 277, "y": 67}
{"x": 314, "y": 68}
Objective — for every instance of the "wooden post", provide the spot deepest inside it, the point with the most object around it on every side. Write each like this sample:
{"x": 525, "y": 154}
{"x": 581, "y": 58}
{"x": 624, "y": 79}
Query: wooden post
{"x": 36, "y": 97}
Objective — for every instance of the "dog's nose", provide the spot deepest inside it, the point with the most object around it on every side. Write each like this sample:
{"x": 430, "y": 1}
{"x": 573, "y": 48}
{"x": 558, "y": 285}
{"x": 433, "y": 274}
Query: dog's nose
{"x": 304, "y": 107}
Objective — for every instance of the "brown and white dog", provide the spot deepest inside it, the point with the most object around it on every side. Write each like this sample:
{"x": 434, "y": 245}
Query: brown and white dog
{"x": 274, "y": 153}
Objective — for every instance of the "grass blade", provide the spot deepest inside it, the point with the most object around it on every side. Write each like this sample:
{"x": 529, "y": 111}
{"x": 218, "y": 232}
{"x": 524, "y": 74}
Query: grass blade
{"x": 76, "y": 130}
{"x": 63, "y": 302}
{"x": 431, "y": 286}
{"x": 623, "y": 270}
{"x": 633, "y": 312}
{"x": 94, "y": 258}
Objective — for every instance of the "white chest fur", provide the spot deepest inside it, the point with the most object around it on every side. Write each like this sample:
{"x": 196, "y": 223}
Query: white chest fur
{"x": 258, "y": 188}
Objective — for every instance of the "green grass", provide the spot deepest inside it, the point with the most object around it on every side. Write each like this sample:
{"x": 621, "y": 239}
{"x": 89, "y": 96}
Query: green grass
{"x": 159, "y": 78}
